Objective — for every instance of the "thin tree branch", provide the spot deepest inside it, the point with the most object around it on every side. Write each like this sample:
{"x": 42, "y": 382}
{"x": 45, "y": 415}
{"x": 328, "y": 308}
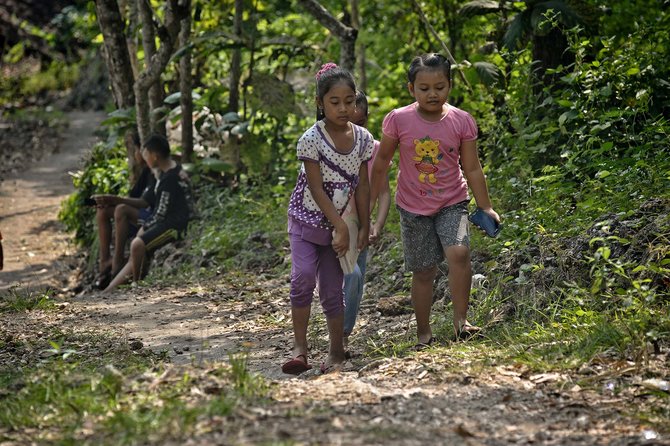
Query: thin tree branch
{"x": 450, "y": 58}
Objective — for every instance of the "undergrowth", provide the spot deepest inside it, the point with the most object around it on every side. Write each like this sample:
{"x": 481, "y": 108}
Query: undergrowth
{"x": 90, "y": 388}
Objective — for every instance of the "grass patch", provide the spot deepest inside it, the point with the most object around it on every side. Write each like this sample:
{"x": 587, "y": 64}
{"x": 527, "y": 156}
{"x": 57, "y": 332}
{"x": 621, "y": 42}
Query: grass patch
{"x": 15, "y": 300}
{"x": 64, "y": 387}
{"x": 122, "y": 399}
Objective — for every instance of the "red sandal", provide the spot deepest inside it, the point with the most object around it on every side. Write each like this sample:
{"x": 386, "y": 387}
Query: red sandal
{"x": 296, "y": 365}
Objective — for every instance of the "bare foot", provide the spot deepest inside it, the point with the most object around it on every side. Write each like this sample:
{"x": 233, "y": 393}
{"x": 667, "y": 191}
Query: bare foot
{"x": 332, "y": 364}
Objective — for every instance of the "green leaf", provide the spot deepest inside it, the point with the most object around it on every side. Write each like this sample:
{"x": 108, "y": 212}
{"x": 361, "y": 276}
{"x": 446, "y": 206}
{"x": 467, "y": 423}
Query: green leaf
{"x": 216, "y": 165}
{"x": 567, "y": 116}
{"x": 160, "y": 111}
{"x": 632, "y": 71}
{"x": 231, "y": 117}
{"x": 174, "y": 98}
{"x": 120, "y": 116}
{"x": 515, "y": 32}
{"x": 488, "y": 73}
{"x": 182, "y": 51}
{"x": 479, "y": 7}
{"x": 240, "y": 129}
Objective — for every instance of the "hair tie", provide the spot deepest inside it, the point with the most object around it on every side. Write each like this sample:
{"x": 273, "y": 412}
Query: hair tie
{"x": 325, "y": 67}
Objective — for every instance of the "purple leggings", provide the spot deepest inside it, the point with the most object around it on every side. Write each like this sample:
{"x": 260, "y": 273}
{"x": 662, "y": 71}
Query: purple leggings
{"x": 312, "y": 263}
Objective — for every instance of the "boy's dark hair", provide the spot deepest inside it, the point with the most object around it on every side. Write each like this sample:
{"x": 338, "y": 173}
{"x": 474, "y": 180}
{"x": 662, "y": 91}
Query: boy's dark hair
{"x": 159, "y": 145}
{"x": 429, "y": 61}
{"x": 329, "y": 75}
{"x": 362, "y": 101}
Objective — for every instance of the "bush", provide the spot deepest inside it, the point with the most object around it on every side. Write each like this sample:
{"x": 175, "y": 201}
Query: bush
{"x": 104, "y": 172}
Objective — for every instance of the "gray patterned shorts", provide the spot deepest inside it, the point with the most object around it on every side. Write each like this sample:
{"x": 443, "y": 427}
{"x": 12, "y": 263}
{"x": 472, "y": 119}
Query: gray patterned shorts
{"x": 425, "y": 238}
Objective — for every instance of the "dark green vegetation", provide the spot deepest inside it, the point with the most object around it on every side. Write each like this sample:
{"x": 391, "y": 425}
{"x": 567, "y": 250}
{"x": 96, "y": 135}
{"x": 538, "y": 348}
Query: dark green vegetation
{"x": 577, "y": 157}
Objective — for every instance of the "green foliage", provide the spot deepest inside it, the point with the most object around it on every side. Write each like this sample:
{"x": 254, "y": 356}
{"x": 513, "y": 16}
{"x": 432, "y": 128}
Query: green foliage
{"x": 105, "y": 171}
{"x": 26, "y": 81}
{"x": 231, "y": 222}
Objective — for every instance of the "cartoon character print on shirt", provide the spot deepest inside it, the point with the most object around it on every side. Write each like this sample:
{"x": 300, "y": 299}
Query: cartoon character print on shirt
{"x": 428, "y": 155}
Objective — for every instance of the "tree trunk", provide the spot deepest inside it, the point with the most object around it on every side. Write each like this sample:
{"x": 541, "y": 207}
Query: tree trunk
{"x": 155, "y": 93}
{"x": 168, "y": 33}
{"x": 361, "y": 78}
{"x": 362, "y": 81}
{"x": 117, "y": 59}
{"x": 129, "y": 11}
{"x": 116, "y": 53}
{"x": 551, "y": 51}
{"x": 345, "y": 34}
{"x": 186, "y": 89}
{"x": 236, "y": 62}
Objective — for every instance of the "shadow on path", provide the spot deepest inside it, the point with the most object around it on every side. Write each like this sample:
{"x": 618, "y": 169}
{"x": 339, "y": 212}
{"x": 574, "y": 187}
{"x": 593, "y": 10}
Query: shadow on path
{"x": 34, "y": 241}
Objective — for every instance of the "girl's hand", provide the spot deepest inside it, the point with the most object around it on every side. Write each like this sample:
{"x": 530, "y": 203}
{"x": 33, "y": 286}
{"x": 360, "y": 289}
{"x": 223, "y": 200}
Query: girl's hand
{"x": 493, "y": 214}
{"x": 363, "y": 239}
{"x": 341, "y": 239}
{"x": 375, "y": 231}
{"x": 104, "y": 200}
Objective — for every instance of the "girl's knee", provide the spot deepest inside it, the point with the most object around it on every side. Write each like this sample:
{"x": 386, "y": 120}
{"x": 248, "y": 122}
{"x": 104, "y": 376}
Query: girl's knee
{"x": 137, "y": 246}
{"x": 458, "y": 255}
{"x": 426, "y": 275}
{"x": 302, "y": 289}
{"x": 333, "y": 308}
{"x": 301, "y": 300}
{"x": 121, "y": 211}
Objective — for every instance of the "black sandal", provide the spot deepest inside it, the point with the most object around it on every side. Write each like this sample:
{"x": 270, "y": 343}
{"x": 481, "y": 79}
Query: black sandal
{"x": 103, "y": 279}
{"x": 420, "y": 346}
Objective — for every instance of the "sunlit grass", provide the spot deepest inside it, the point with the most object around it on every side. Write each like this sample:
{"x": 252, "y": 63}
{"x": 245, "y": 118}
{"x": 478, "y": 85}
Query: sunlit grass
{"x": 17, "y": 300}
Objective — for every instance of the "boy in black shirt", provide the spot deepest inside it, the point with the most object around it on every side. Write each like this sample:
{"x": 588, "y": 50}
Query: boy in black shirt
{"x": 172, "y": 206}
{"x": 129, "y": 213}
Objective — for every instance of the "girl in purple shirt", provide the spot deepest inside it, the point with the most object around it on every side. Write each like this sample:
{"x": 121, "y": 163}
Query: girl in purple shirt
{"x": 334, "y": 154}
{"x": 438, "y": 161}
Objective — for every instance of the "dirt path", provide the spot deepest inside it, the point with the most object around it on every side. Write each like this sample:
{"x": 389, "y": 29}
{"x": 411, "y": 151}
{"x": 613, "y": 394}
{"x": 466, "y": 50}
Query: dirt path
{"x": 435, "y": 396}
{"x": 440, "y": 396}
{"x": 37, "y": 250}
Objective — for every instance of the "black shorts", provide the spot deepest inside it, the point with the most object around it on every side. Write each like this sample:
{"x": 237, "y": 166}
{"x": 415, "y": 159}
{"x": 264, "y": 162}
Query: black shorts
{"x": 159, "y": 235}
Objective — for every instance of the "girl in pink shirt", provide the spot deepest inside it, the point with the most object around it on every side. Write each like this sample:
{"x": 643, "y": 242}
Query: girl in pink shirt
{"x": 438, "y": 161}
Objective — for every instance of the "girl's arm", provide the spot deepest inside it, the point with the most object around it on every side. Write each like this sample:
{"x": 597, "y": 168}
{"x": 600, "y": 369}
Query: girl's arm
{"x": 475, "y": 177}
{"x": 384, "y": 200}
{"x": 380, "y": 168}
{"x": 114, "y": 200}
{"x": 315, "y": 183}
{"x": 363, "y": 206}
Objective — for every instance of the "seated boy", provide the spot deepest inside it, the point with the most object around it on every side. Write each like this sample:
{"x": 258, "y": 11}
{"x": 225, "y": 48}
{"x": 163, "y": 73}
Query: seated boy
{"x": 129, "y": 213}
{"x": 172, "y": 203}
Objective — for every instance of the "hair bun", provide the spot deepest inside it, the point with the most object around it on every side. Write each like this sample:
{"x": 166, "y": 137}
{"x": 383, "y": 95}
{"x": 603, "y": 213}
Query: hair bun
{"x": 325, "y": 67}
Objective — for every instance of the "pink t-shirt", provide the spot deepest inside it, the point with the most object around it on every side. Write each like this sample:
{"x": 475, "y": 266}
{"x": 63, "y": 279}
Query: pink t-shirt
{"x": 429, "y": 176}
